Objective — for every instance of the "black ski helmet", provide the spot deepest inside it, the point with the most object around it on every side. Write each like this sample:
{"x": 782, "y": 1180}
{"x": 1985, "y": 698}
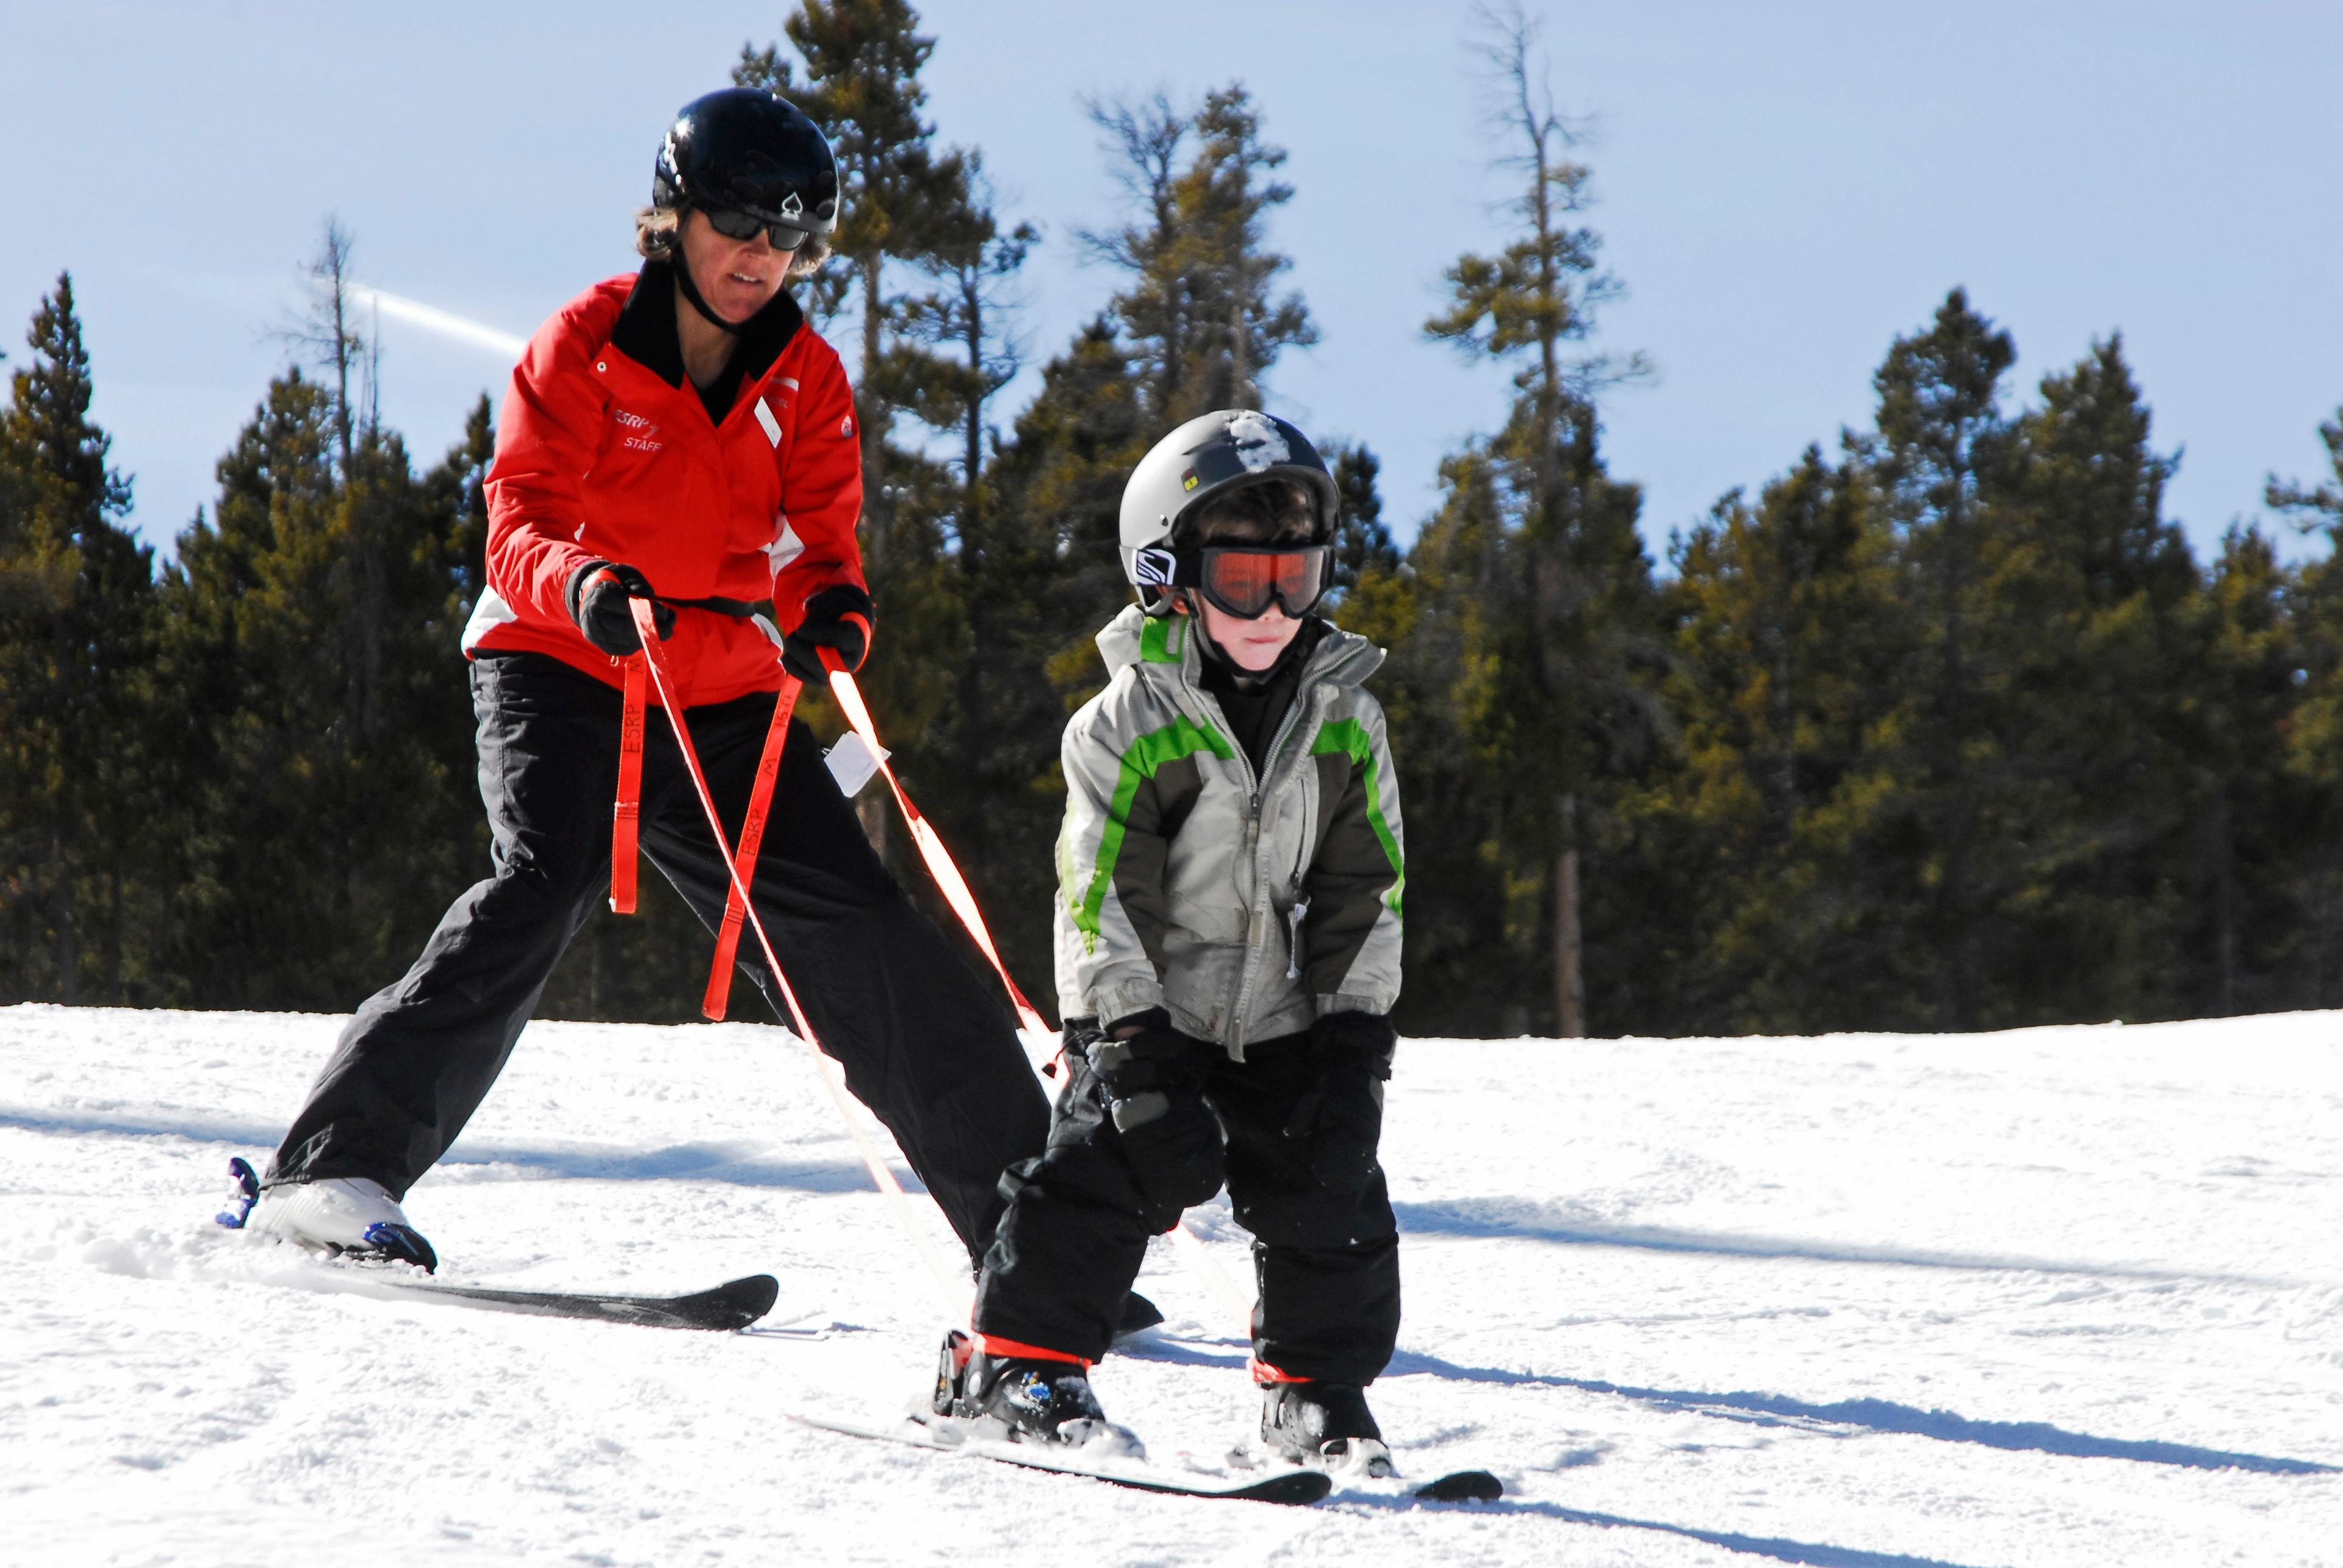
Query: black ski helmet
{"x": 752, "y": 151}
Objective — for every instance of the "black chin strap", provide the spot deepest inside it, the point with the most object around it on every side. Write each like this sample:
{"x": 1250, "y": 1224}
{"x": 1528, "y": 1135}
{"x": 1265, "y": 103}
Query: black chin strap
{"x": 691, "y": 292}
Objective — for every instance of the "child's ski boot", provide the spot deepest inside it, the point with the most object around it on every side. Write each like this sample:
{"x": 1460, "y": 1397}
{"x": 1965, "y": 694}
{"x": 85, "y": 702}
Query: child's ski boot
{"x": 1025, "y": 1399}
{"x": 1326, "y": 1425}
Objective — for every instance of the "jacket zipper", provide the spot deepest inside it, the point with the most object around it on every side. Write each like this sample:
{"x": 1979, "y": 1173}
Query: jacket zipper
{"x": 1257, "y": 920}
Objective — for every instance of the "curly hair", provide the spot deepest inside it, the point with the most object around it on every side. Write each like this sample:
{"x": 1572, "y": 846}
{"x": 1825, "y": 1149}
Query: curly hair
{"x": 658, "y": 229}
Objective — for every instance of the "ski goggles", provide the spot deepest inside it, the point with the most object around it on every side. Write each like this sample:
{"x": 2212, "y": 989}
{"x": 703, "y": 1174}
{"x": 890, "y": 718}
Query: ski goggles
{"x": 734, "y": 224}
{"x": 1243, "y": 580}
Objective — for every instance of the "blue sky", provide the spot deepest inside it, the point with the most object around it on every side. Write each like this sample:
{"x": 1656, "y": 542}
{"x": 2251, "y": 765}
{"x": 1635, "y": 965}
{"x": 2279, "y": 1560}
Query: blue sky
{"x": 1783, "y": 189}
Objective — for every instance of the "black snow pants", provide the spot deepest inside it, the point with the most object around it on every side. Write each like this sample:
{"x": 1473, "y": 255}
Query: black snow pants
{"x": 924, "y": 1043}
{"x": 1325, "y": 1259}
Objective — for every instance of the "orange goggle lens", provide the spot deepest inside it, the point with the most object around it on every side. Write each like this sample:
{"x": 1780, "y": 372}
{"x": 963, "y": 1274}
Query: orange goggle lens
{"x": 1244, "y": 582}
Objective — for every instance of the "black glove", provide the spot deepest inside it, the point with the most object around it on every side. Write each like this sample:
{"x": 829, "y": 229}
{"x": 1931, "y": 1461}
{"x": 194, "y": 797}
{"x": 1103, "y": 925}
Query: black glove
{"x": 838, "y": 618}
{"x": 1342, "y": 1112}
{"x": 1152, "y": 1083}
{"x": 599, "y": 592}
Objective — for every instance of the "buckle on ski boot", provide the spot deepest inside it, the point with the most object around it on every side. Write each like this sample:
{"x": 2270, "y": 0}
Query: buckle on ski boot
{"x": 1025, "y": 1399}
{"x": 952, "y": 1373}
{"x": 1323, "y": 1424}
{"x": 243, "y": 1193}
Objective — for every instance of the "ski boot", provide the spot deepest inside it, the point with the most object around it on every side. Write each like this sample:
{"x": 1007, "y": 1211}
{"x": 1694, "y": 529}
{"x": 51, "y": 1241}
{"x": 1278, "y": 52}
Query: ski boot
{"x": 1325, "y": 1425}
{"x": 346, "y": 1216}
{"x": 1023, "y": 1399}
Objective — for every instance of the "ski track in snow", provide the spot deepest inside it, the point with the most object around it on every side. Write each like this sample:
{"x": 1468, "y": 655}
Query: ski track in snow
{"x": 2066, "y": 1296}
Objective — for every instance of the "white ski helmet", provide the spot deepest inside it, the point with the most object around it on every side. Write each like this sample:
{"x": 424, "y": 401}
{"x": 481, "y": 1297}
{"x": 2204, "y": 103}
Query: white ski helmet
{"x": 1210, "y": 454}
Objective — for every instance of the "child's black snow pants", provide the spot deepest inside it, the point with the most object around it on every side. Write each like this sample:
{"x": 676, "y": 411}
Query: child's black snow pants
{"x": 924, "y": 1043}
{"x": 1325, "y": 1260}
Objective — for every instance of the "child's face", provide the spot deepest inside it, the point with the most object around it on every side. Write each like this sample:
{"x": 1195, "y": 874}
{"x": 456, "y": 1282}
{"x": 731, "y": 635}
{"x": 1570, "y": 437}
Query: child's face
{"x": 1253, "y": 645}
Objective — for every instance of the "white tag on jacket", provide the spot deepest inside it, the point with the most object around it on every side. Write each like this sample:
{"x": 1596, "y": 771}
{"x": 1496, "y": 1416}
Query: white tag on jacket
{"x": 772, "y": 425}
{"x": 851, "y": 763}
{"x": 786, "y": 547}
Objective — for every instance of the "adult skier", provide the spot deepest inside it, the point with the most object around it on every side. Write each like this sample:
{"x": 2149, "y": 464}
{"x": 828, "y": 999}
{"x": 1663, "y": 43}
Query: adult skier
{"x": 1227, "y": 939}
{"x": 680, "y": 436}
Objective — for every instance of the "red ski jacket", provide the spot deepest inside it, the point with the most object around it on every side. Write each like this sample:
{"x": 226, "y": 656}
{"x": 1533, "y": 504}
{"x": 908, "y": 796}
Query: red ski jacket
{"x": 605, "y": 451}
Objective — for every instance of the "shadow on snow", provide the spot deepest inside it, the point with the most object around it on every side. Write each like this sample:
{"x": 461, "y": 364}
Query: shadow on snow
{"x": 1530, "y": 1219}
{"x": 1884, "y": 1416}
{"x": 736, "y": 1163}
{"x": 1776, "y": 1547}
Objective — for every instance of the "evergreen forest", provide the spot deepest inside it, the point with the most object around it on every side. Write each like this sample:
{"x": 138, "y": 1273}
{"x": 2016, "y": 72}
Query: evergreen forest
{"x": 1941, "y": 727}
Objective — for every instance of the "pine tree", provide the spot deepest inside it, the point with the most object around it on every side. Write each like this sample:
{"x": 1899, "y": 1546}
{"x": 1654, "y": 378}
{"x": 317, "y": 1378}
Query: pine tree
{"x": 2308, "y": 868}
{"x": 1197, "y": 314}
{"x": 1940, "y": 433}
{"x": 2039, "y": 815}
{"x": 1363, "y": 541}
{"x": 974, "y": 769}
{"x": 910, "y": 225}
{"x": 1561, "y": 644}
{"x": 76, "y": 626}
{"x": 1196, "y": 327}
{"x": 323, "y": 772}
{"x": 2099, "y": 600}
{"x": 2265, "y": 930}
{"x": 1043, "y": 576}
{"x": 2320, "y": 505}
{"x": 328, "y": 334}
{"x": 901, "y": 198}
{"x": 1784, "y": 617}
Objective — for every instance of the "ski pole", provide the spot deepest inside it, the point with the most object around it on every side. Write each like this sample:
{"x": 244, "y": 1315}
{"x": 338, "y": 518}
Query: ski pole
{"x": 949, "y": 1291}
{"x": 1207, "y": 1268}
{"x": 954, "y": 887}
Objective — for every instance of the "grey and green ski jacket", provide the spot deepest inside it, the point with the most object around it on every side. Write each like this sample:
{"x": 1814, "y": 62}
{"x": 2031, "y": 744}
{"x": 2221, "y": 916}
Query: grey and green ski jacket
{"x": 1245, "y": 907}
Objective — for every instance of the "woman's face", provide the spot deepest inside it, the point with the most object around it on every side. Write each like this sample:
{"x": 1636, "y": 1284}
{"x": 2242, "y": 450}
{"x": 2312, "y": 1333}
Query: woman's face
{"x": 738, "y": 277}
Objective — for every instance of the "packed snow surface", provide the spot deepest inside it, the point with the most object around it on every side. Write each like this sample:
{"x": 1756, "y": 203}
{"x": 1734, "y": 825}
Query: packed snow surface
{"x": 2062, "y": 1296}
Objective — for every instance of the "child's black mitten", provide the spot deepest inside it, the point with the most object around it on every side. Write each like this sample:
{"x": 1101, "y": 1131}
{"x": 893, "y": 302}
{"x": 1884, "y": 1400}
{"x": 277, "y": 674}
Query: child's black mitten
{"x": 1342, "y": 1112}
{"x": 1152, "y": 1082}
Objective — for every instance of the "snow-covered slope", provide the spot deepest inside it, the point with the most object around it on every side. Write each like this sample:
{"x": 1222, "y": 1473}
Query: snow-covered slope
{"x": 2062, "y": 1296}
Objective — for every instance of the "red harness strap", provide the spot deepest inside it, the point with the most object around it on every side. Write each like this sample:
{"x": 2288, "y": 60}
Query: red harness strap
{"x": 626, "y": 816}
{"x": 950, "y": 1284}
{"x": 752, "y": 837}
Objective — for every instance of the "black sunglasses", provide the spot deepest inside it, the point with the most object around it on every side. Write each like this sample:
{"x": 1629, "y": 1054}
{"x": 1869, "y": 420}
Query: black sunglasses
{"x": 734, "y": 224}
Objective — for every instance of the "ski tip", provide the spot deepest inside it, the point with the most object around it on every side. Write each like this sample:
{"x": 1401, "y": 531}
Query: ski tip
{"x": 402, "y": 1244}
{"x": 734, "y": 1304}
{"x": 753, "y": 1294}
{"x": 1462, "y": 1486}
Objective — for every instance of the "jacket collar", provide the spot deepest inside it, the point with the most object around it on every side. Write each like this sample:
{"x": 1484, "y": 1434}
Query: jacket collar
{"x": 646, "y": 331}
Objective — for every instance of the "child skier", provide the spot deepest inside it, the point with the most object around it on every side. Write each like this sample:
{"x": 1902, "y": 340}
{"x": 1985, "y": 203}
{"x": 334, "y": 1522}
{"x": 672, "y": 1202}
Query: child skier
{"x": 1228, "y": 943}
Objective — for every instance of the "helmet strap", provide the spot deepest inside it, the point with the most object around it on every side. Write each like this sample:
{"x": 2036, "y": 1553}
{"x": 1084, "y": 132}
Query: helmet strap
{"x": 691, "y": 292}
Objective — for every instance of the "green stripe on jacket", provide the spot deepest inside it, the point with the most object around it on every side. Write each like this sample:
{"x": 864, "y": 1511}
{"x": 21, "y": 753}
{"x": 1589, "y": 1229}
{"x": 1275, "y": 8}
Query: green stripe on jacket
{"x": 1180, "y": 737}
{"x": 1348, "y": 738}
